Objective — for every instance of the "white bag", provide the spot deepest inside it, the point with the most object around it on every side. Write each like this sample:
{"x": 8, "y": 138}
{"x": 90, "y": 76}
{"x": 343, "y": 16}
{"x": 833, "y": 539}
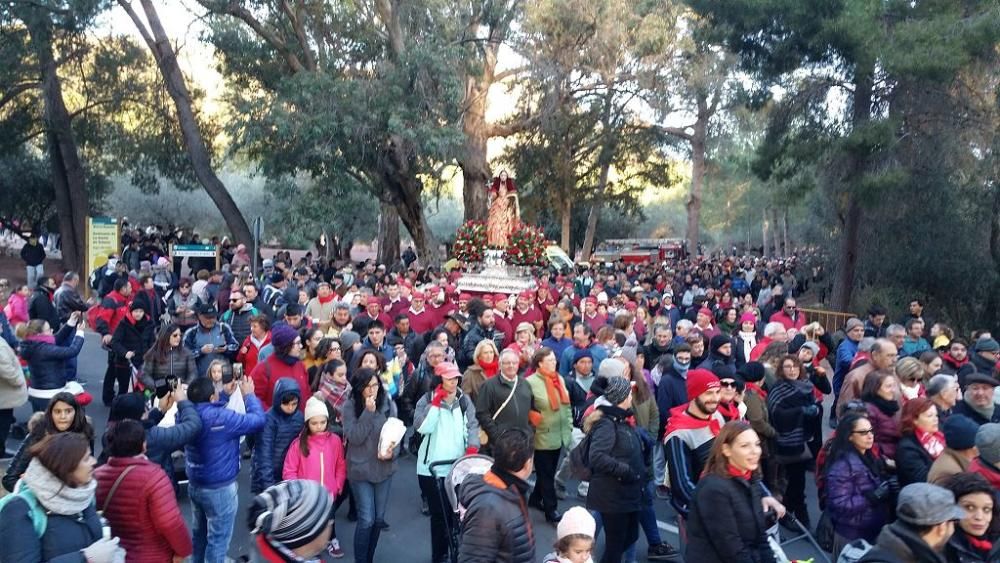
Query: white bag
{"x": 390, "y": 436}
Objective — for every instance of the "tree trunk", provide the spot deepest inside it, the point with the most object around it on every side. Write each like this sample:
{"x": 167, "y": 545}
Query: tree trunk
{"x": 588, "y": 236}
{"x": 697, "y": 183}
{"x": 604, "y": 159}
{"x": 475, "y": 165}
{"x": 72, "y": 203}
{"x": 779, "y": 251}
{"x": 198, "y": 153}
{"x": 764, "y": 224}
{"x": 388, "y": 235}
{"x": 784, "y": 231}
{"x": 567, "y": 220}
{"x": 851, "y": 213}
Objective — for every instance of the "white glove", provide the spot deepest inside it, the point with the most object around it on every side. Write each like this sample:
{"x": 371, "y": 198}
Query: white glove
{"x": 101, "y": 551}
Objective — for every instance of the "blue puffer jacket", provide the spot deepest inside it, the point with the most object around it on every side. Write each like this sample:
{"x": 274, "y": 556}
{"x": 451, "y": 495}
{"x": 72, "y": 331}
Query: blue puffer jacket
{"x": 213, "y": 457}
{"x": 162, "y": 442}
{"x": 273, "y": 441}
{"x": 47, "y": 362}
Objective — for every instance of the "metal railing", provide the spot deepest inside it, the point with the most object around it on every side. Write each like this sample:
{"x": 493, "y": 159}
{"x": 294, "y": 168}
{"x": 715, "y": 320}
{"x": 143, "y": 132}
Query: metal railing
{"x": 831, "y": 320}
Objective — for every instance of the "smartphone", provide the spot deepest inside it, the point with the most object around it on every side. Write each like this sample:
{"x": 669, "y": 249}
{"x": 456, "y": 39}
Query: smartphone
{"x": 237, "y": 371}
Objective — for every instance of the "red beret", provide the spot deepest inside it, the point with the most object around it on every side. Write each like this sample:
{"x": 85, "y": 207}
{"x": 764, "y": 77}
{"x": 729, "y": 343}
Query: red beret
{"x": 464, "y": 297}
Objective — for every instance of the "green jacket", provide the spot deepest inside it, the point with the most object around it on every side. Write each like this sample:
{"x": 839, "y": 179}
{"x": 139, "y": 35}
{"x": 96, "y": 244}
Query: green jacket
{"x": 555, "y": 430}
{"x": 647, "y": 415}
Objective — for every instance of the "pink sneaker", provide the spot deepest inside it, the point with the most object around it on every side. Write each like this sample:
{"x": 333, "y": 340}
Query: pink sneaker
{"x": 334, "y": 549}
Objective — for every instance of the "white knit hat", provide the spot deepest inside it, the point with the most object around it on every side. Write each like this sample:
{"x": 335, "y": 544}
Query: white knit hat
{"x": 316, "y": 407}
{"x": 576, "y": 520}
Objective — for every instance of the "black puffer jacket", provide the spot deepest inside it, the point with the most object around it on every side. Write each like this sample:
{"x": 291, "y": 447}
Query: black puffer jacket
{"x": 726, "y": 524}
{"x": 913, "y": 463}
{"x": 41, "y": 307}
{"x": 497, "y": 527}
{"x": 618, "y": 472}
{"x": 131, "y": 336}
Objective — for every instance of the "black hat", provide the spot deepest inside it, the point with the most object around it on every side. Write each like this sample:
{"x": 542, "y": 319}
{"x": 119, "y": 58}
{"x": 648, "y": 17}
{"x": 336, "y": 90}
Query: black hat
{"x": 129, "y": 406}
{"x": 208, "y": 310}
{"x": 980, "y": 378}
{"x": 751, "y": 372}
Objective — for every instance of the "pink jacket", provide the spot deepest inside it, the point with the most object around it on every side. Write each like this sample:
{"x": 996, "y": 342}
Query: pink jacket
{"x": 17, "y": 309}
{"x": 325, "y": 462}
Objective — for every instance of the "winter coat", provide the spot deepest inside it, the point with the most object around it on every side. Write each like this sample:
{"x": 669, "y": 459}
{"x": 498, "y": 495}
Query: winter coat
{"x": 66, "y": 300}
{"x": 726, "y": 522}
{"x": 268, "y": 372}
{"x": 109, "y": 313}
{"x": 132, "y": 336}
{"x": 963, "y": 408}
{"x": 362, "y": 435}
{"x": 853, "y": 515}
{"x": 472, "y": 380}
{"x": 13, "y": 388}
{"x": 179, "y": 363}
{"x": 16, "y": 309}
{"x": 898, "y": 543}
{"x": 758, "y": 417}
{"x": 212, "y": 459}
{"x": 65, "y": 535}
{"x": 447, "y": 430}
{"x": 492, "y": 395}
{"x": 497, "y": 527}
{"x": 417, "y": 386}
{"x": 958, "y": 550}
{"x": 886, "y": 427}
{"x": 161, "y": 442}
{"x": 33, "y": 254}
{"x": 325, "y": 463}
{"x": 670, "y": 393}
{"x": 472, "y": 338}
{"x": 143, "y": 511}
{"x": 239, "y": 321}
{"x": 913, "y": 463}
{"x": 219, "y": 335}
{"x": 555, "y": 429}
{"x": 647, "y": 415}
{"x": 47, "y": 362}
{"x": 40, "y": 307}
{"x": 786, "y": 404}
{"x": 279, "y": 431}
{"x": 947, "y": 464}
{"x": 615, "y": 459}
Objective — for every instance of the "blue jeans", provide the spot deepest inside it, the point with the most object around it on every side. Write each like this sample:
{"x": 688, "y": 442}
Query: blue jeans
{"x": 659, "y": 464}
{"x": 647, "y": 518}
{"x": 371, "y": 500}
{"x": 214, "y": 517}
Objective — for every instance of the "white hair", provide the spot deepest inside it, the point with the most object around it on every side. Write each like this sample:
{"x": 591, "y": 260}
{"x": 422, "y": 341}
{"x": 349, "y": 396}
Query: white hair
{"x": 684, "y": 323}
{"x": 772, "y": 328}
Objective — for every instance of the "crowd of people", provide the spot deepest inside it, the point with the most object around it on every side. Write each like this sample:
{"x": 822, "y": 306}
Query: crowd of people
{"x": 697, "y": 383}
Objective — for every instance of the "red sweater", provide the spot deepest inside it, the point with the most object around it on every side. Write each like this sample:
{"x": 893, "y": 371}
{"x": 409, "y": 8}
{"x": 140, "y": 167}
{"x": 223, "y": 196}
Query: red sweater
{"x": 143, "y": 511}
{"x": 267, "y": 373}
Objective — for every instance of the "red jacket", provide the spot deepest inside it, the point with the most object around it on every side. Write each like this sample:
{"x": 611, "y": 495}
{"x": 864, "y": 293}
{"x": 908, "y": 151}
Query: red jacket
{"x": 249, "y": 359}
{"x": 143, "y": 511}
{"x": 268, "y": 372}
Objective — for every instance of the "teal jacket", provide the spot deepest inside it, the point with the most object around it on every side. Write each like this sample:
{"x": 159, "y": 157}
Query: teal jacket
{"x": 447, "y": 431}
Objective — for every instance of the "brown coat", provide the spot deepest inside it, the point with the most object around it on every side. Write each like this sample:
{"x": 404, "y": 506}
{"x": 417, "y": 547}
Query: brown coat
{"x": 949, "y": 463}
{"x": 472, "y": 381}
{"x": 853, "y": 382}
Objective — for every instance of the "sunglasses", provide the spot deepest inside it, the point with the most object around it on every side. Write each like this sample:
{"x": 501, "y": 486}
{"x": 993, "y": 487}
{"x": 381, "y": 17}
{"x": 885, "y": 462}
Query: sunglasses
{"x": 728, "y": 383}
{"x": 863, "y": 432}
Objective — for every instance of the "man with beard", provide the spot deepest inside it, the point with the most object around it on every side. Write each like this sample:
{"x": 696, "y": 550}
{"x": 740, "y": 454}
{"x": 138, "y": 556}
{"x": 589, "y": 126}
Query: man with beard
{"x": 341, "y": 319}
{"x": 956, "y": 357}
{"x": 483, "y": 328}
{"x": 689, "y": 435}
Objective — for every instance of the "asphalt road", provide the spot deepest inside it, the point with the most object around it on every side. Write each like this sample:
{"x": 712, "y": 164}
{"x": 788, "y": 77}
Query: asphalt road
{"x": 407, "y": 538}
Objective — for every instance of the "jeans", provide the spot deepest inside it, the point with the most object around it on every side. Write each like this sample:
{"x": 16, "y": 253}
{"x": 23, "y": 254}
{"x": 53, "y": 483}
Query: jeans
{"x": 34, "y": 272}
{"x": 214, "y": 517}
{"x": 442, "y": 517}
{"x": 659, "y": 464}
{"x": 372, "y": 499}
{"x": 647, "y": 516}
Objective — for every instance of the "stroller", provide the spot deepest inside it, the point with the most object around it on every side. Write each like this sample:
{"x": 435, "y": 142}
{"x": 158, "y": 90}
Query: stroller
{"x": 778, "y": 544}
{"x": 447, "y": 488}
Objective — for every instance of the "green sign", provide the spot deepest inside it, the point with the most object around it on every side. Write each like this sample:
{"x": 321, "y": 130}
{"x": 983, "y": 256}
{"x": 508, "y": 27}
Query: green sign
{"x": 194, "y": 251}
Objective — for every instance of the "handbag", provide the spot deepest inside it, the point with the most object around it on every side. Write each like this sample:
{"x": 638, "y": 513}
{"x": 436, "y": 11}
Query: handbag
{"x": 114, "y": 487}
{"x": 824, "y": 531}
{"x": 483, "y": 437}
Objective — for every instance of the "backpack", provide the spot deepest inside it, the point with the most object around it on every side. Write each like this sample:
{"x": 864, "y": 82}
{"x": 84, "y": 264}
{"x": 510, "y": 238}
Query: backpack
{"x": 39, "y": 517}
{"x": 579, "y": 457}
{"x": 854, "y": 551}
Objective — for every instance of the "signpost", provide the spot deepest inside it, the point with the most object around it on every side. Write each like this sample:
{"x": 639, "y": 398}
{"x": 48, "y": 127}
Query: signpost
{"x": 197, "y": 251}
{"x": 103, "y": 238}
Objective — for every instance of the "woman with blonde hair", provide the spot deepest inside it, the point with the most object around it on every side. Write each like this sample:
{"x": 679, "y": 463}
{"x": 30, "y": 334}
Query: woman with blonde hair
{"x": 485, "y": 365}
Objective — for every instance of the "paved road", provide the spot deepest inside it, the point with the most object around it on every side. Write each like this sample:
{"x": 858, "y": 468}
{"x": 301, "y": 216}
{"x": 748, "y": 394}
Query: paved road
{"x": 407, "y": 538}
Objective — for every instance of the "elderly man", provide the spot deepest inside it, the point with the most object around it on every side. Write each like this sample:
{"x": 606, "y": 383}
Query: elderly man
{"x": 774, "y": 331}
{"x": 494, "y": 394}
{"x": 977, "y": 399}
{"x": 210, "y": 340}
{"x": 883, "y": 357}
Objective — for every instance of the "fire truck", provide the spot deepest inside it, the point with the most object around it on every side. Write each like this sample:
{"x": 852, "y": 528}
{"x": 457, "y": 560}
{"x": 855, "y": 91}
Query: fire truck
{"x": 640, "y": 251}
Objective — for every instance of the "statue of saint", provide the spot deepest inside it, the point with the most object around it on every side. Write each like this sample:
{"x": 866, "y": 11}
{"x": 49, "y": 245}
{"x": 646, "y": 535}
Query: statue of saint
{"x": 504, "y": 211}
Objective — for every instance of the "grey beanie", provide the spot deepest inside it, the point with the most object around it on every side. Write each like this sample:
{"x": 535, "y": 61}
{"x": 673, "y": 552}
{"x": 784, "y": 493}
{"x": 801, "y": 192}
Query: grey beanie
{"x": 611, "y": 367}
{"x": 988, "y": 442}
{"x": 618, "y": 389}
{"x": 852, "y": 323}
{"x": 349, "y": 338}
{"x": 292, "y": 513}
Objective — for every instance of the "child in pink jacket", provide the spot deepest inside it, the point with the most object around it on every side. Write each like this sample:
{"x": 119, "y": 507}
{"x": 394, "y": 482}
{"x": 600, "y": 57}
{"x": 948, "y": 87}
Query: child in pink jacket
{"x": 318, "y": 455}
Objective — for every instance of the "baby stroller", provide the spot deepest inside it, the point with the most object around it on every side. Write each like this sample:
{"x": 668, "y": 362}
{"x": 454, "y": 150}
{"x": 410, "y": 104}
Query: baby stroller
{"x": 778, "y": 544}
{"x": 447, "y": 488}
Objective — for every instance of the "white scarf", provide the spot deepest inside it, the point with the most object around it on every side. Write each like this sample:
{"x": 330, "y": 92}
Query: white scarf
{"x": 749, "y": 341}
{"x": 56, "y": 496}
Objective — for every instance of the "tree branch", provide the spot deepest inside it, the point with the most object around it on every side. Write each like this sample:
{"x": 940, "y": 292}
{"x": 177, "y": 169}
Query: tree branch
{"x": 233, "y": 8}
{"x": 16, "y": 91}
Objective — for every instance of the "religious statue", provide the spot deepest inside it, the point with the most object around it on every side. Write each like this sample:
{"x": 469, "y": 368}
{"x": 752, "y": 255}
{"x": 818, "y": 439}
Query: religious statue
{"x": 504, "y": 211}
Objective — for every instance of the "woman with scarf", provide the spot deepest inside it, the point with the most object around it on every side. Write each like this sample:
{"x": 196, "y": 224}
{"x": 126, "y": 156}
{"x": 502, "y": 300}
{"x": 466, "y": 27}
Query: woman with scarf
{"x": 132, "y": 338}
{"x": 727, "y": 522}
{"x": 730, "y": 407}
{"x": 59, "y": 483}
{"x": 552, "y": 417}
{"x": 63, "y": 414}
{"x": 327, "y": 350}
{"x": 728, "y": 321}
{"x": 284, "y": 362}
{"x": 880, "y": 393}
{"x": 977, "y": 536}
{"x": 485, "y": 365}
{"x": 168, "y": 359}
{"x": 922, "y": 441}
{"x": 858, "y": 490}
{"x": 47, "y": 354}
{"x": 791, "y": 406}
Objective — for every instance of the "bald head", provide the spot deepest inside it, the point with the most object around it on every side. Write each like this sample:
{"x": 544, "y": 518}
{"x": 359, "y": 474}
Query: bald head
{"x": 884, "y": 354}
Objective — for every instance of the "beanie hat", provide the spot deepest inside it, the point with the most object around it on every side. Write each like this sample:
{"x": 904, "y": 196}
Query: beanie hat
{"x": 348, "y": 338}
{"x": 276, "y": 277}
{"x": 617, "y": 389}
{"x": 718, "y": 341}
{"x": 748, "y": 318}
{"x": 699, "y": 381}
{"x": 581, "y": 354}
{"x": 959, "y": 432}
{"x": 316, "y": 407}
{"x": 988, "y": 442}
{"x": 809, "y": 344}
{"x": 292, "y": 513}
{"x": 752, "y": 372}
{"x": 852, "y": 323}
{"x": 447, "y": 370}
{"x": 576, "y": 521}
{"x": 705, "y": 311}
{"x": 283, "y": 336}
{"x": 611, "y": 367}
{"x": 129, "y": 406}
{"x": 988, "y": 345}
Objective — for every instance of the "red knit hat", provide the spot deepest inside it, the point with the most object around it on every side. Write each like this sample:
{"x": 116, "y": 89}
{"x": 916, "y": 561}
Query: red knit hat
{"x": 699, "y": 381}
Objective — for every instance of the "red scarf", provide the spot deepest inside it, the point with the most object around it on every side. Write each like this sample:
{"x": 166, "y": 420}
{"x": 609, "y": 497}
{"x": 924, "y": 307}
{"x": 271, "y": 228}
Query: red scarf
{"x": 325, "y": 300}
{"x": 491, "y": 368}
{"x": 729, "y": 411}
{"x": 757, "y": 389}
{"x": 554, "y": 389}
{"x": 738, "y": 473}
{"x": 979, "y": 544}
{"x": 681, "y": 419}
{"x": 933, "y": 442}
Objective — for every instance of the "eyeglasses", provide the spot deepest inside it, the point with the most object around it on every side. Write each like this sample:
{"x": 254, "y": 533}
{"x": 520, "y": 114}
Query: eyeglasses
{"x": 374, "y": 385}
{"x": 335, "y": 348}
{"x": 863, "y": 432}
{"x": 728, "y": 383}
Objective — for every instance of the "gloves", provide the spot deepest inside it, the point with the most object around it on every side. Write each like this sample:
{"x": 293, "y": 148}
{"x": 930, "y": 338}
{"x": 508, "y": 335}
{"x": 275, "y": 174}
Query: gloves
{"x": 101, "y": 551}
{"x": 880, "y": 493}
{"x": 471, "y": 450}
{"x": 893, "y": 484}
{"x": 438, "y": 397}
{"x": 810, "y": 411}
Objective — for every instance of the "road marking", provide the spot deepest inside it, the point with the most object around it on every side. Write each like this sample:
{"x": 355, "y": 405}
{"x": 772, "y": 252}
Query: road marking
{"x": 667, "y": 527}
